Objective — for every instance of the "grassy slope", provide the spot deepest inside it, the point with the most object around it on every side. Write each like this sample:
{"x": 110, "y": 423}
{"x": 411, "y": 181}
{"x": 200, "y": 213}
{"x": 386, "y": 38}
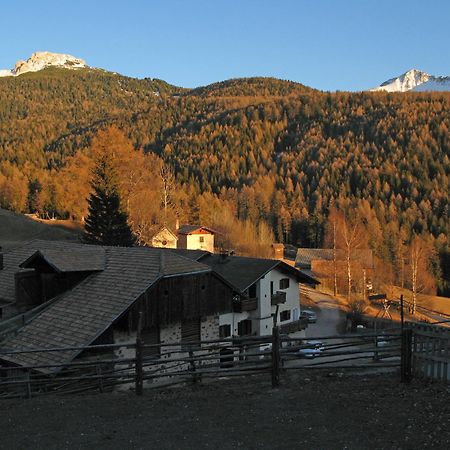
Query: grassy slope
{"x": 18, "y": 228}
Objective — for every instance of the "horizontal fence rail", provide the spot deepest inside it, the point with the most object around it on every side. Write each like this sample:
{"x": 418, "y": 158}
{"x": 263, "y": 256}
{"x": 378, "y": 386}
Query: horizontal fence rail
{"x": 148, "y": 366}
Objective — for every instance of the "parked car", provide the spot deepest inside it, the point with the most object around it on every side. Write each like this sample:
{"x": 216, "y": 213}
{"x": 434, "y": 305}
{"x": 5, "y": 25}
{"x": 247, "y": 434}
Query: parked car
{"x": 311, "y": 316}
{"x": 315, "y": 344}
{"x": 310, "y": 349}
{"x": 309, "y": 352}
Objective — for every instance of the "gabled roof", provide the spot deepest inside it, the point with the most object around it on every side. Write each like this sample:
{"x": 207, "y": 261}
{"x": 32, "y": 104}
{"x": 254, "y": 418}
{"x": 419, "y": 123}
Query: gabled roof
{"x": 167, "y": 230}
{"x": 242, "y": 271}
{"x": 192, "y": 229}
{"x": 85, "y": 312}
{"x": 14, "y": 258}
{"x": 85, "y": 259}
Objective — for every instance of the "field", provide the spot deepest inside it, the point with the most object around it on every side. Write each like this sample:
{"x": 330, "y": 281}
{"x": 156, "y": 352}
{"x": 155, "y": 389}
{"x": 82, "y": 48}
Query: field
{"x": 310, "y": 410}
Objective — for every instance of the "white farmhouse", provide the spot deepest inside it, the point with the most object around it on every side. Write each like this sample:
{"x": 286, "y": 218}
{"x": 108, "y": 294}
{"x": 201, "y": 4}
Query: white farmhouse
{"x": 195, "y": 237}
{"x": 267, "y": 288}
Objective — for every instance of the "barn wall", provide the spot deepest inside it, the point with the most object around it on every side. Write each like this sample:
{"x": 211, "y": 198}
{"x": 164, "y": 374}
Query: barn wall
{"x": 182, "y": 298}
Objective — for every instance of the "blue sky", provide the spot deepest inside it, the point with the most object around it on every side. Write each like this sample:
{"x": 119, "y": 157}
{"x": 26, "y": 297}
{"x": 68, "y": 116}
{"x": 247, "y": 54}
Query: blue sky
{"x": 327, "y": 44}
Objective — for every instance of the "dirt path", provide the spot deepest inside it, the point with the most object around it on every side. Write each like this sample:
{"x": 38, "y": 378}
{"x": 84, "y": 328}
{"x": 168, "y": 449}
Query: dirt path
{"x": 309, "y": 410}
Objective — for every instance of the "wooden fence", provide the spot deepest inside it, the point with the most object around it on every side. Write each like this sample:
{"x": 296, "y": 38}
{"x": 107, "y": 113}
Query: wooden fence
{"x": 157, "y": 365}
{"x": 429, "y": 351}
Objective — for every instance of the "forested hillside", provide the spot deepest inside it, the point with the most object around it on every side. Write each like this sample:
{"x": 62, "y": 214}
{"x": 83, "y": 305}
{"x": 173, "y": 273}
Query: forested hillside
{"x": 265, "y": 155}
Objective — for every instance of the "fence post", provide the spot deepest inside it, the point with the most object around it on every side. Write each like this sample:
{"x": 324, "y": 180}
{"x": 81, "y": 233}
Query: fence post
{"x": 275, "y": 356}
{"x": 192, "y": 366}
{"x": 406, "y": 357}
{"x": 139, "y": 382}
{"x": 98, "y": 370}
{"x": 28, "y": 384}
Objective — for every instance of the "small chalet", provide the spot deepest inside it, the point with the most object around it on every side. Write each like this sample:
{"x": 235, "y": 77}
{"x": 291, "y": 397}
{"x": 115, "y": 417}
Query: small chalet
{"x": 165, "y": 238}
{"x": 75, "y": 295}
{"x": 194, "y": 237}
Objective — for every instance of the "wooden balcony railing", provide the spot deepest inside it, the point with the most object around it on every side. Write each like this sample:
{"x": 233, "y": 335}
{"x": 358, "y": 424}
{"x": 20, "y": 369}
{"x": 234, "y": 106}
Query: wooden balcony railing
{"x": 292, "y": 327}
{"x": 245, "y": 304}
{"x": 277, "y": 298}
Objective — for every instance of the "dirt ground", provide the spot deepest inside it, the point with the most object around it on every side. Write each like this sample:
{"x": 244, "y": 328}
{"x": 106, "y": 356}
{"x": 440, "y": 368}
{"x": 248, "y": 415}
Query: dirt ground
{"x": 309, "y": 411}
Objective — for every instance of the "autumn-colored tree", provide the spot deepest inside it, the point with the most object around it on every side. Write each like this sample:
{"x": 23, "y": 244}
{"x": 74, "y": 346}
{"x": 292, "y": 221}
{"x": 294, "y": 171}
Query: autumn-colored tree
{"x": 420, "y": 277}
{"x": 347, "y": 237}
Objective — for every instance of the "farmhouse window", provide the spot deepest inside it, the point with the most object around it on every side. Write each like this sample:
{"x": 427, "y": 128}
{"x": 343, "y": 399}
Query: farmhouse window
{"x": 285, "y": 315}
{"x": 284, "y": 283}
{"x": 202, "y": 239}
{"x": 245, "y": 327}
{"x": 252, "y": 291}
{"x": 225, "y": 331}
{"x": 190, "y": 332}
{"x": 151, "y": 336}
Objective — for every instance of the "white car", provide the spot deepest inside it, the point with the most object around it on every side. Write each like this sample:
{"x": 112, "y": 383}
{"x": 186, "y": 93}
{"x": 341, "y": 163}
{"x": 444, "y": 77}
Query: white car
{"x": 315, "y": 344}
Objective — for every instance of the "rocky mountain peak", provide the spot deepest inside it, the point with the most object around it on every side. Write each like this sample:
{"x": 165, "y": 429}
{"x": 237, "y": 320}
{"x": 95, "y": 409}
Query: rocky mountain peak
{"x": 41, "y": 60}
{"x": 415, "y": 80}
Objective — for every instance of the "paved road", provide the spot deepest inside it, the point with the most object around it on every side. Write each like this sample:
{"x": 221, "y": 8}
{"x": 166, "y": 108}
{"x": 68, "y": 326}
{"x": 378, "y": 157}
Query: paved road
{"x": 330, "y": 319}
{"x": 329, "y": 316}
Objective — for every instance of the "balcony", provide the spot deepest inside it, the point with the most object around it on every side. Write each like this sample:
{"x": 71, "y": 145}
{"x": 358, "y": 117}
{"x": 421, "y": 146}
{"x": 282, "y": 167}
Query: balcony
{"x": 245, "y": 304}
{"x": 294, "y": 326}
{"x": 278, "y": 298}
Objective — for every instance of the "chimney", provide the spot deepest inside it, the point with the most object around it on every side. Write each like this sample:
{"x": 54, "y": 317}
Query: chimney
{"x": 1, "y": 259}
{"x": 224, "y": 255}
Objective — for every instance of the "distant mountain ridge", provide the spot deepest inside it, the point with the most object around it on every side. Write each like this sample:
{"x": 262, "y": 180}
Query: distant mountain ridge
{"x": 42, "y": 60}
{"x": 414, "y": 80}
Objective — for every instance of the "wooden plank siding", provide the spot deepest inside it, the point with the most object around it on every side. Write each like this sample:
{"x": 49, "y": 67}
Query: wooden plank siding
{"x": 182, "y": 298}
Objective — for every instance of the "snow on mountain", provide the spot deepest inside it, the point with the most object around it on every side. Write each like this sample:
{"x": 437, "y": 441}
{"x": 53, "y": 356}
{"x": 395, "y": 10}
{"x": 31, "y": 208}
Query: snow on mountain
{"x": 415, "y": 80}
{"x": 434, "y": 84}
{"x": 41, "y": 60}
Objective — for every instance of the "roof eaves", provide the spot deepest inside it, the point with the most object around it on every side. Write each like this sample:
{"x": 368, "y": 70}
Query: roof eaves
{"x": 183, "y": 274}
{"x": 262, "y": 274}
{"x": 33, "y": 257}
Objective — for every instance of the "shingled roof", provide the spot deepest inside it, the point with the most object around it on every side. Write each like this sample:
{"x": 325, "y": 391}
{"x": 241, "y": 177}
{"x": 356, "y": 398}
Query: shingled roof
{"x": 242, "y": 271}
{"x": 195, "y": 255}
{"x": 14, "y": 258}
{"x": 85, "y": 312}
{"x": 189, "y": 229}
{"x": 70, "y": 260}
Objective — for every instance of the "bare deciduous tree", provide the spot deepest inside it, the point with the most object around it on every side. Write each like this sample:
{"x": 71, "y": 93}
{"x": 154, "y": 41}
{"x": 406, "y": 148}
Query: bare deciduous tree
{"x": 167, "y": 188}
{"x": 420, "y": 277}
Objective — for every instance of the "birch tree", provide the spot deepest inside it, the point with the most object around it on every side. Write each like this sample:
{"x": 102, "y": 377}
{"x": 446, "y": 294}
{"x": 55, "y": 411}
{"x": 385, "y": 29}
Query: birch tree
{"x": 421, "y": 279}
{"x": 167, "y": 189}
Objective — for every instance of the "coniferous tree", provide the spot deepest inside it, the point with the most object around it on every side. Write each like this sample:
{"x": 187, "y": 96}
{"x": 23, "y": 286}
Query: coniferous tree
{"x": 107, "y": 222}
